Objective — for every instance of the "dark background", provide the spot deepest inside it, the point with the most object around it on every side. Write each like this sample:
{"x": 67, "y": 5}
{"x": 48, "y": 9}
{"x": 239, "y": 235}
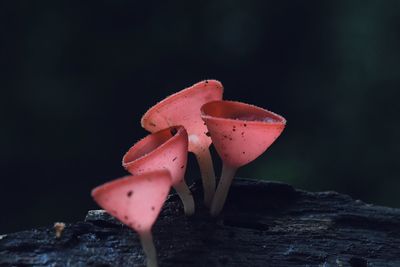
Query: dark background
{"x": 76, "y": 78}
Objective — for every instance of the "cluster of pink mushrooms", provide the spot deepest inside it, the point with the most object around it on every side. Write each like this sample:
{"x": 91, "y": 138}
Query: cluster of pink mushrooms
{"x": 187, "y": 121}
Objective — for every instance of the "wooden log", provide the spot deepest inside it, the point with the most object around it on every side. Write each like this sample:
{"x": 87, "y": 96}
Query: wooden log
{"x": 262, "y": 224}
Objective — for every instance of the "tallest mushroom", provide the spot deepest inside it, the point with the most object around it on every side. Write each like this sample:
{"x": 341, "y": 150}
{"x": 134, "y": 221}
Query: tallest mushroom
{"x": 183, "y": 108}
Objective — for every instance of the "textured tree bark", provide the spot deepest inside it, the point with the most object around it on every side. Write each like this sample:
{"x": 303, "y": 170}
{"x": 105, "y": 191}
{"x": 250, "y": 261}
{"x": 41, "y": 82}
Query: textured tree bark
{"x": 262, "y": 224}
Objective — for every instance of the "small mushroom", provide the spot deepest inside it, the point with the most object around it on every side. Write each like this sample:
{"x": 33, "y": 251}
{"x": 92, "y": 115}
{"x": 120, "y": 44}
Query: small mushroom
{"x": 240, "y": 133}
{"x": 136, "y": 201}
{"x": 165, "y": 149}
{"x": 59, "y": 229}
{"x": 183, "y": 108}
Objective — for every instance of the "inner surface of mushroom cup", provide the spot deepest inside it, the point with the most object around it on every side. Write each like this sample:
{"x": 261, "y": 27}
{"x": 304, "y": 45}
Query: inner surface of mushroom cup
{"x": 164, "y": 149}
{"x": 234, "y": 110}
{"x": 241, "y": 132}
{"x": 183, "y": 108}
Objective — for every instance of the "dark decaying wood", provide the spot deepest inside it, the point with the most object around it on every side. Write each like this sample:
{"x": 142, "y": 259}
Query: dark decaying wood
{"x": 263, "y": 224}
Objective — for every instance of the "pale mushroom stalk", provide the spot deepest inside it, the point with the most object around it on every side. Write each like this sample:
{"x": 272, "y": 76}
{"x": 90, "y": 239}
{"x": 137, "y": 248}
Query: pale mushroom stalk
{"x": 227, "y": 175}
{"x": 146, "y": 239}
{"x": 186, "y": 197}
{"x": 206, "y": 166}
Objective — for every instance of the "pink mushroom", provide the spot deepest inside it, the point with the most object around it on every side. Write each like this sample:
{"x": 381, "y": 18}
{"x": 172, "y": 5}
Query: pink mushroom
{"x": 165, "y": 149}
{"x": 183, "y": 108}
{"x": 136, "y": 201}
{"x": 240, "y": 133}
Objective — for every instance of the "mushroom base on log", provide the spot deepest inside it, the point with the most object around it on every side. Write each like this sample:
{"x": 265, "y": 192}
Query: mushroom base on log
{"x": 262, "y": 224}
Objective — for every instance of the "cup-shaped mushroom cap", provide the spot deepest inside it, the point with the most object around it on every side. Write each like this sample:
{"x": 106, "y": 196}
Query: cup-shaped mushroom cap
{"x": 165, "y": 149}
{"x": 183, "y": 108}
{"x": 241, "y": 132}
{"x": 135, "y": 200}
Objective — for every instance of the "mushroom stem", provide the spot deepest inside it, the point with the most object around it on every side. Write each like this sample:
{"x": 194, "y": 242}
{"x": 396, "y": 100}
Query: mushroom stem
{"x": 228, "y": 172}
{"x": 146, "y": 238}
{"x": 186, "y": 196}
{"x": 207, "y": 174}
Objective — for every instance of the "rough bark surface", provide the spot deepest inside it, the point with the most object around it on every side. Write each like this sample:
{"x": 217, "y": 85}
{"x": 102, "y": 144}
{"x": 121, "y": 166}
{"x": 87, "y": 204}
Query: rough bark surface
{"x": 262, "y": 224}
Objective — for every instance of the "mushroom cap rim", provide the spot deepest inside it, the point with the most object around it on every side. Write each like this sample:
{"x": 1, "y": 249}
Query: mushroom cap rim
{"x": 281, "y": 120}
{"x": 105, "y": 187}
{"x": 126, "y": 164}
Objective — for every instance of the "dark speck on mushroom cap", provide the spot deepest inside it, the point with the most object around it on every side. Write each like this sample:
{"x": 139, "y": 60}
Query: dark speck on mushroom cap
{"x": 173, "y": 131}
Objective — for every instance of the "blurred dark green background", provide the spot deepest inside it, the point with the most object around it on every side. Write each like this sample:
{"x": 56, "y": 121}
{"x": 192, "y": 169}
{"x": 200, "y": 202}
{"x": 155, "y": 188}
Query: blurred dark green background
{"x": 76, "y": 78}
